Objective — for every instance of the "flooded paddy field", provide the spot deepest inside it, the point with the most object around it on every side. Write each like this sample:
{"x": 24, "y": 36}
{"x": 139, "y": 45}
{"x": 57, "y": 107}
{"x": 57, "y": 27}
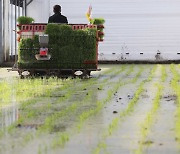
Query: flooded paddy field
{"x": 122, "y": 109}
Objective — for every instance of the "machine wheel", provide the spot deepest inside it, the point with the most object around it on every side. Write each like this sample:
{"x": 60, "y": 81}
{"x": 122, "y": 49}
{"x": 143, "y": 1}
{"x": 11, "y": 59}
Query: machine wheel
{"x": 21, "y": 77}
{"x": 85, "y": 75}
{"x": 89, "y": 73}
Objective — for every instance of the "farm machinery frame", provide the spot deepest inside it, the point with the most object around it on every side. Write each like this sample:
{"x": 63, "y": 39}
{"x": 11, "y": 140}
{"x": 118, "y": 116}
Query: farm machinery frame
{"x": 47, "y": 58}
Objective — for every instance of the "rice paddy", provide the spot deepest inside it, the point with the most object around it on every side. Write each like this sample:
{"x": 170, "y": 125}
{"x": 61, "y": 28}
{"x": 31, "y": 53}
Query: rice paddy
{"x": 121, "y": 109}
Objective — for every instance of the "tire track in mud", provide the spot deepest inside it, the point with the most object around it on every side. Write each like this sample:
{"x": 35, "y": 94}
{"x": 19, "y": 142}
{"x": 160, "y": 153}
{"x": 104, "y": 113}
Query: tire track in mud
{"x": 115, "y": 73}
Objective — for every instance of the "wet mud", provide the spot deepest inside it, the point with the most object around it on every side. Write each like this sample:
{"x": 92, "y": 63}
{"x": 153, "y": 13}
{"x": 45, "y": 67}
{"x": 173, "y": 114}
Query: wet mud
{"x": 104, "y": 114}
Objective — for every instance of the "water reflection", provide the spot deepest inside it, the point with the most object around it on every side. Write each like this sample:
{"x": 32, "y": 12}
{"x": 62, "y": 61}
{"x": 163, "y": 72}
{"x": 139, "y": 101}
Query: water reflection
{"x": 9, "y": 114}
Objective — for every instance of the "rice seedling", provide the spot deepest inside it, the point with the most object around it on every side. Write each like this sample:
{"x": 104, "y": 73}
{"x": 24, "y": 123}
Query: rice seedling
{"x": 99, "y": 105}
{"x": 109, "y": 71}
{"x": 138, "y": 75}
{"x": 29, "y": 88}
{"x": 149, "y": 120}
{"x": 118, "y": 71}
{"x": 47, "y": 106}
{"x": 39, "y": 150}
{"x": 130, "y": 70}
{"x": 6, "y": 92}
{"x": 28, "y": 137}
{"x": 152, "y": 73}
{"x": 64, "y": 86}
{"x": 50, "y": 121}
{"x": 176, "y": 87}
{"x": 150, "y": 117}
{"x": 101, "y": 146}
{"x": 115, "y": 122}
{"x": 131, "y": 105}
{"x": 68, "y": 94}
{"x": 163, "y": 73}
{"x": 38, "y": 82}
{"x": 61, "y": 139}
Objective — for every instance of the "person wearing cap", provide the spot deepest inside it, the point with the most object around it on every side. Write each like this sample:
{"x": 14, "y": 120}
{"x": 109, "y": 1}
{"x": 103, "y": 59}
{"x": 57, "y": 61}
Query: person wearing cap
{"x": 57, "y": 17}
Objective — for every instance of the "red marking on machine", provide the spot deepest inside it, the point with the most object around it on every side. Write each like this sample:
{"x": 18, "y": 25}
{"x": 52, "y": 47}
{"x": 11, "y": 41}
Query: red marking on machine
{"x": 89, "y": 62}
{"x": 43, "y": 52}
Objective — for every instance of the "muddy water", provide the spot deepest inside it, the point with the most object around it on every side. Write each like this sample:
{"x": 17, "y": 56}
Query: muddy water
{"x": 92, "y": 132}
{"x": 9, "y": 112}
{"x": 127, "y": 137}
{"x": 162, "y": 133}
{"x": 25, "y": 137}
{"x": 4, "y": 73}
{"x": 8, "y": 116}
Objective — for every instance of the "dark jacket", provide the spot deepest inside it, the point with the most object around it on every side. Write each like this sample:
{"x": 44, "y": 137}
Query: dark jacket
{"x": 57, "y": 18}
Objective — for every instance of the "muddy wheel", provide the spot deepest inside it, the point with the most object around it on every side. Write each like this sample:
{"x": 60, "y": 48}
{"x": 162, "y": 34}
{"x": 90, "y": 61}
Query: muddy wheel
{"x": 21, "y": 76}
{"x": 32, "y": 73}
{"x": 89, "y": 73}
{"x": 85, "y": 74}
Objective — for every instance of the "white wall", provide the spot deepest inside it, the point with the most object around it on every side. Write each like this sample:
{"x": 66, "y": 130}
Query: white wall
{"x": 132, "y": 26}
{"x": 39, "y": 10}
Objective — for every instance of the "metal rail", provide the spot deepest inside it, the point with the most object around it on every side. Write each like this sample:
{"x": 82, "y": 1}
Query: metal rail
{"x": 1, "y": 44}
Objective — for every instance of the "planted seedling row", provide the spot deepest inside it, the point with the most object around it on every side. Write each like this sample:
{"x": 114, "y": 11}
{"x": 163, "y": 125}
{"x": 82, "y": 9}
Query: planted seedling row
{"x": 176, "y": 87}
{"x": 58, "y": 141}
{"x": 100, "y": 104}
{"x": 29, "y": 136}
{"x": 67, "y": 96}
{"x": 68, "y": 89}
{"x": 115, "y": 122}
{"x": 146, "y": 125}
{"x": 55, "y": 115}
{"x": 38, "y": 82}
{"x": 151, "y": 115}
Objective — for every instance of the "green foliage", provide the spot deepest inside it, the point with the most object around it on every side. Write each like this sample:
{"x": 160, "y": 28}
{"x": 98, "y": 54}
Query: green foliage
{"x": 68, "y": 48}
{"x": 27, "y": 49}
{"x": 25, "y": 20}
{"x": 98, "y": 21}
